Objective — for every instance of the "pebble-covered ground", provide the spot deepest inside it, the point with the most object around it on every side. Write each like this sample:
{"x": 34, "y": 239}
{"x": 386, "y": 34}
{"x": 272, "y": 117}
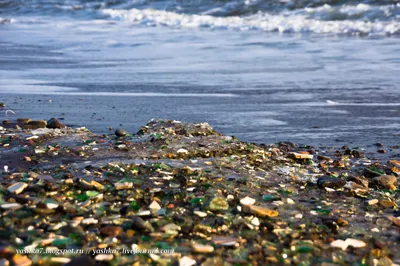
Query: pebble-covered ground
{"x": 212, "y": 199}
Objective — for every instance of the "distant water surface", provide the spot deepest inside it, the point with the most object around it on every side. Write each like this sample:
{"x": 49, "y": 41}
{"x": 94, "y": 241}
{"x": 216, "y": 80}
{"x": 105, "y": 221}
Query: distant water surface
{"x": 315, "y": 72}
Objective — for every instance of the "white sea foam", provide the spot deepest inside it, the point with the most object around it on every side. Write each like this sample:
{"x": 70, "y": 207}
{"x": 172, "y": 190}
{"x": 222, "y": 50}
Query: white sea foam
{"x": 360, "y": 11}
{"x": 6, "y": 20}
{"x": 53, "y": 90}
{"x": 303, "y": 21}
{"x": 345, "y": 9}
{"x": 18, "y": 88}
{"x": 331, "y": 102}
{"x": 318, "y": 104}
{"x": 146, "y": 94}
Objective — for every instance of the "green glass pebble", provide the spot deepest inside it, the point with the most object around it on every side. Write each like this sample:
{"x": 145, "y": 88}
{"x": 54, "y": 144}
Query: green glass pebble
{"x": 75, "y": 237}
{"x": 304, "y": 249}
{"x": 82, "y": 197}
{"x": 323, "y": 211}
{"x": 267, "y": 197}
{"x": 1, "y": 199}
{"x": 92, "y": 194}
{"x": 135, "y": 205}
{"x": 157, "y": 135}
{"x": 380, "y": 172}
{"x": 284, "y": 192}
{"x": 197, "y": 200}
{"x": 62, "y": 242}
{"x": 146, "y": 238}
{"x": 108, "y": 173}
{"x": 163, "y": 245}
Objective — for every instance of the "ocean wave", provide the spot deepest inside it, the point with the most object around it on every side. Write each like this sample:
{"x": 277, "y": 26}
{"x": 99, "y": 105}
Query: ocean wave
{"x": 219, "y": 8}
{"x": 354, "y": 12}
{"x": 287, "y": 22}
{"x": 6, "y": 20}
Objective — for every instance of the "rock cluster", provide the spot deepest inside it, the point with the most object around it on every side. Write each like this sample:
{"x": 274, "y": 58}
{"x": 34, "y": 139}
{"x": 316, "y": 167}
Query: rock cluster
{"x": 209, "y": 199}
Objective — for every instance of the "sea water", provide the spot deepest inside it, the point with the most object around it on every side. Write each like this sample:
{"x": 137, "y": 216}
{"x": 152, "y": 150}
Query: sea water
{"x": 311, "y": 71}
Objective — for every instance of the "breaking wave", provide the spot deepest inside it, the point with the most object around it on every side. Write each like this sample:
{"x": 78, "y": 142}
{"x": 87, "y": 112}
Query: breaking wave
{"x": 367, "y": 17}
{"x": 361, "y": 19}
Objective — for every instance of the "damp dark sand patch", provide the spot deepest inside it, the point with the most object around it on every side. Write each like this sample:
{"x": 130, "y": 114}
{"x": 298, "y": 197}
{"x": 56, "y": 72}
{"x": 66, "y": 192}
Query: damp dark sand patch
{"x": 212, "y": 199}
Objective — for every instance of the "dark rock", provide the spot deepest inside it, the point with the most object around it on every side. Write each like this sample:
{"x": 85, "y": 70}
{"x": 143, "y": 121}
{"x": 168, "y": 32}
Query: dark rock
{"x": 330, "y": 182}
{"x": 124, "y": 210}
{"x": 83, "y": 260}
{"x": 23, "y": 120}
{"x": 360, "y": 180}
{"x": 178, "y": 219}
{"x": 67, "y": 230}
{"x": 46, "y": 178}
{"x": 111, "y": 230}
{"x": 382, "y": 151}
{"x": 287, "y": 143}
{"x": 332, "y": 225}
{"x": 54, "y": 123}
{"x": 60, "y": 209}
{"x": 121, "y": 132}
{"x": 323, "y": 158}
{"x": 6, "y": 122}
{"x": 68, "y": 175}
{"x": 138, "y": 224}
{"x": 270, "y": 226}
{"x": 186, "y": 229}
{"x": 386, "y": 181}
{"x": 22, "y": 199}
{"x": 35, "y": 124}
{"x": 356, "y": 154}
{"x": 219, "y": 221}
{"x": 368, "y": 173}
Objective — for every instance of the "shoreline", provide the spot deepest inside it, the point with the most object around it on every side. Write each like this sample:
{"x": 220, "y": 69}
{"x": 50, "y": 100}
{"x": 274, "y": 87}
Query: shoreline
{"x": 250, "y": 119}
{"x": 289, "y": 153}
{"x": 211, "y": 198}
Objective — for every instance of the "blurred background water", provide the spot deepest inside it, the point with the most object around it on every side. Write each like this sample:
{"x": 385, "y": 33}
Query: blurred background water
{"x": 313, "y": 71}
